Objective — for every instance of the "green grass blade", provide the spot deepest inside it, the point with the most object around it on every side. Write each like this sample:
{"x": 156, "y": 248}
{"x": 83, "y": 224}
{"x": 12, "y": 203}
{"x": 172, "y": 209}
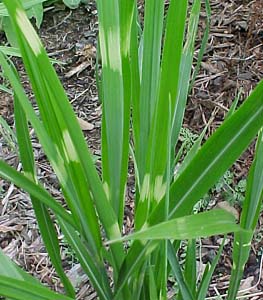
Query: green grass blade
{"x": 204, "y": 285}
{"x": 156, "y": 164}
{"x": 190, "y": 266}
{"x": 135, "y": 82}
{"x": 153, "y": 293}
{"x": 117, "y": 97}
{"x": 56, "y": 115}
{"x": 80, "y": 175}
{"x": 217, "y": 155}
{"x": 127, "y": 10}
{"x": 24, "y": 142}
{"x": 160, "y": 263}
{"x": 10, "y": 269}
{"x": 49, "y": 236}
{"x": 21, "y": 290}
{"x": 11, "y": 51}
{"x": 26, "y": 5}
{"x": 151, "y": 54}
{"x": 213, "y": 222}
{"x": 47, "y": 229}
{"x": 234, "y": 105}
{"x": 252, "y": 203}
{"x": 248, "y": 219}
{"x": 242, "y": 245}
{"x": 8, "y": 134}
{"x": 176, "y": 269}
{"x": 160, "y": 254}
{"x": 203, "y": 44}
{"x": 133, "y": 262}
{"x": 185, "y": 71}
{"x": 138, "y": 289}
{"x": 192, "y": 152}
{"x": 96, "y": 274}
{"x": 37, "y": 191}
{"x": 172, "y": 52}
{"x": 5, "y": 89}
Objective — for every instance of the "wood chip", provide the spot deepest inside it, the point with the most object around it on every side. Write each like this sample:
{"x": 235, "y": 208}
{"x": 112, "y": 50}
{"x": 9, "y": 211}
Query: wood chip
{"x": 5, "y": 229}
{"x": 246, "y": 284}
{"x": 223, "y": 35}
{"x": 208, "y": 67}
{"x": 88, "y": 51}
{"x": 76, "y": 275}
{"x": 78, "y": 69}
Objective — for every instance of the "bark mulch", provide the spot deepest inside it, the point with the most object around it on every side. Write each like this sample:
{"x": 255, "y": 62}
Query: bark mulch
{"x": 232, "y": 64}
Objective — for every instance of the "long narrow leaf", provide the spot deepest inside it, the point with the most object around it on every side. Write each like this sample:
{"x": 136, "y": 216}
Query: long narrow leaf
{"x": 185, "y": 72}
{"x": 135, "y": 83}
{"x": 192, "y": 152}
{"x": 190, "y": 266}
{"x": 151, "y": 55}
{"x": 248, "y": 220}
{"x": 217, "y": 154}
{"x": 21, "y": 290}
{"x": 97, "y": 275}
{"x": 203, "y": 44}
{"x": 75, "y": 149}
{"x": 26, "y": 5}
{"x": 9, "y": 269}
{"x": 176, "y": 269}
{"x": 204, "y": 285}
{"x": 213, "y": 222}
{"x": 208, "y": 223}
{"x": 115, "y": 21}
{"x": 153, "y": 185}
{"x": 37, "y": 191}
{"x": 56, "y": 116}
{"x": 133, "y": 263}
{"x": 46, "y": 226}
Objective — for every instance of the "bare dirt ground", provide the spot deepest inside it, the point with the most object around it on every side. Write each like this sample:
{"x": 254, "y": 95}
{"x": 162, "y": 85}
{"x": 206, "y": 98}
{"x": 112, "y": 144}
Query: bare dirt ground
{"x": 232, "y": 63}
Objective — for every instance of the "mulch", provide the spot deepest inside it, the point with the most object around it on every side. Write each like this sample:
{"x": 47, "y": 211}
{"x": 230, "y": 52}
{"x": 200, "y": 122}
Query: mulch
{"x": 232, "y": 64}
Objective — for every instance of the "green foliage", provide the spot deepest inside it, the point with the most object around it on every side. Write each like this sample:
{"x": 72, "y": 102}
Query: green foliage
{"x": 187, "y": 138}
{"x": 33, "y": 8}
{"x": 227, "y": 188}
{"x": 8, "y": 134}
{"x": 147, "y": 74}
{"x": 73, "y": 4}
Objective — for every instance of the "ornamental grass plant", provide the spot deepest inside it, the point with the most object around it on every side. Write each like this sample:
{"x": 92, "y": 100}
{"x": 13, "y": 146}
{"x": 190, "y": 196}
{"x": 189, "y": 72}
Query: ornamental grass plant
{"x": 145, "y": 79}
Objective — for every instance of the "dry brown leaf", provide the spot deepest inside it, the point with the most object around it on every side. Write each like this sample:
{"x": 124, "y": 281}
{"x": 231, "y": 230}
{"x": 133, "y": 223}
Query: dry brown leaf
{"x": 6, "y": 229}
{"x": 246, "y": 284}
{"x": 76, "y": 275}
{"x": 226, "y": 206}
{"x": 89, "y": 51}
{"x": 78, "y": 69}
{"x": 84, "y": 125}
{"x": 210, "y": 68}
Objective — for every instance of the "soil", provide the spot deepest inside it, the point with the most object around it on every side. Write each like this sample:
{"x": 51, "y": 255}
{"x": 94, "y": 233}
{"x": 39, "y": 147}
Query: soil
{"x": 232, "y": 64}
